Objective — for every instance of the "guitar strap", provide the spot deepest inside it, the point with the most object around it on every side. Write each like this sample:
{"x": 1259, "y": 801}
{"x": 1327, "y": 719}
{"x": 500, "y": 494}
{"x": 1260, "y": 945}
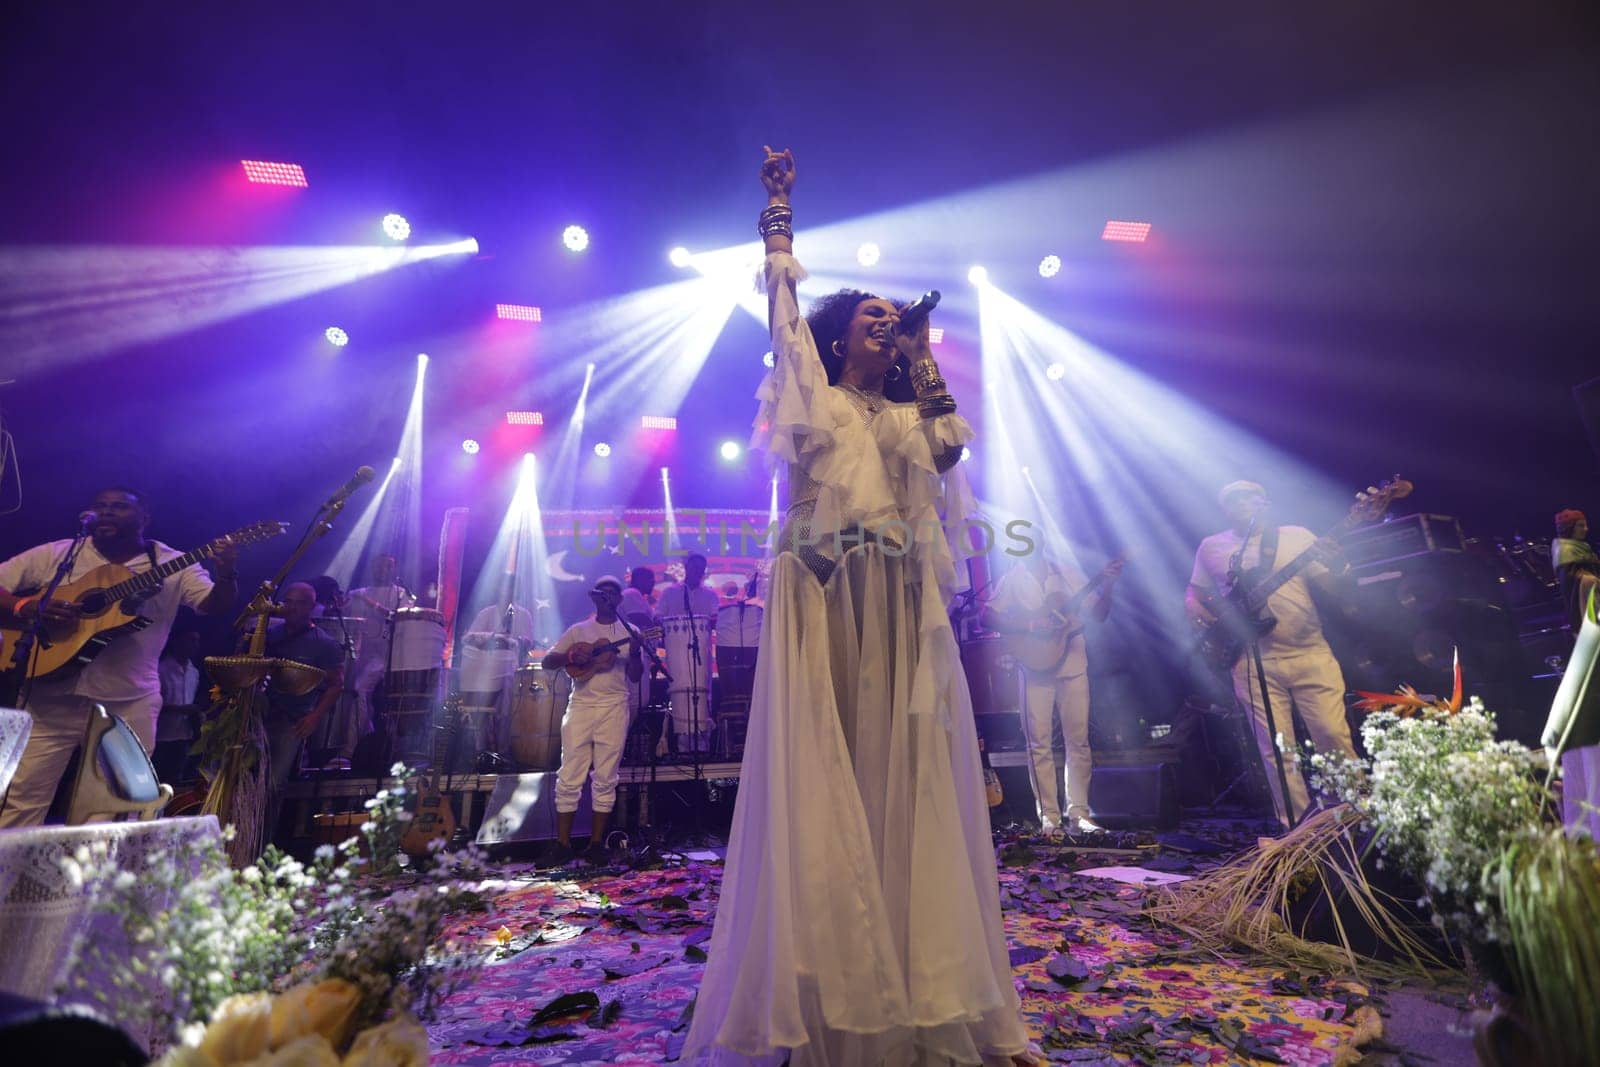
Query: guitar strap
{"x": 1269, "y": 549}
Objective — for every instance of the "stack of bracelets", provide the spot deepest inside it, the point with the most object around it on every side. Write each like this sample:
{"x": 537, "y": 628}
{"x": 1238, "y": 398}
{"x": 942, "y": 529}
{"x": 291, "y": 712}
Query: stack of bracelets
{"x": 776, "y": 219}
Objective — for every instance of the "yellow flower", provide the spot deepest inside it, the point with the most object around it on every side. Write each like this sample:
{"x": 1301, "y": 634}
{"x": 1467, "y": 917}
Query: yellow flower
{"x": 239, "y": 1028}
{"x": 309, "y": 1050}
{"x": 327, "y": 1008}
{"x": 502, "y": 936}
{"x": 401, "y": 1042}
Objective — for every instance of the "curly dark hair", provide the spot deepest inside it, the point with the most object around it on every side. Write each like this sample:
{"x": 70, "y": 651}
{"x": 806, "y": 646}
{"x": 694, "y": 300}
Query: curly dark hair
{"x": 830, "y": 317}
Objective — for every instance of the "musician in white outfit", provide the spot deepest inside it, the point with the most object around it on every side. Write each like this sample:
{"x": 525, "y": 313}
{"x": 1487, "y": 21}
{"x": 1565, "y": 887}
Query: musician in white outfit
{"x": 596, "y": 723}
{"x": 1024, "y": 597}
{"x": 1301, "y": 673}
{"x": 694, "y": 605}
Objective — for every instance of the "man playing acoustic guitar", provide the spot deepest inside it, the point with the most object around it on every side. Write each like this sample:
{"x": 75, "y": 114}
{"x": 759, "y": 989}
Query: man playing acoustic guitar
{"x": 124, "y": 676}
{"x": 1039, "y": 602}
{"x": 596, "y": 722}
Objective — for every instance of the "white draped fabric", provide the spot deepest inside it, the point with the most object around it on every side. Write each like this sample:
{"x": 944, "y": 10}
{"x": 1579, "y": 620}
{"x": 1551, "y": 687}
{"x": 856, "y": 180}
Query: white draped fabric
{"x": 15, "y": 726}
{"x": 44, "y": 912}
{"x": 859, "y": 918}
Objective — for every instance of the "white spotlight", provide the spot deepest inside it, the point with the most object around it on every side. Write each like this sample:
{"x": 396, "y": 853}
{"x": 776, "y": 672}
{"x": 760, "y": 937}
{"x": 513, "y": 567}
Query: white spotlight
{"x": 966, "y": 453}
{"x": 336, "y": 337}
{"x": 730, "y": 450}
{"x": 977, "y": 275}
{"x": 396, "y": 227}
{"x": 868, "y": 254}
{"x": 470, "y": 447}
{"x": 1049, "y": 266}
{"x": 1055, "y": 372}
{"x": 679, "y": 256}
{"x": 602, "y": 449}
{"x": 769, "y": 359}
{"x": 576, "y": 238}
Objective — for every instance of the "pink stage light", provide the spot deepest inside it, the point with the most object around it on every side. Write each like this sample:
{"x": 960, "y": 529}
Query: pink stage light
{"x": 263, "y": 173}
{"x": 519, "y": 312}
{"x": 525, "y": 418}
{"x": 936, "y": 335}
{"x": 1125, "y": 231}
{"x": 658, "y": 422}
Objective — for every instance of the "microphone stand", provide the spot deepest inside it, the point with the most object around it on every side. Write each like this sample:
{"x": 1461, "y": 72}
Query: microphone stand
{"x": 1258, "y": 668}
{"x": 694, "y": 684}
{"x": 17, "y": 686}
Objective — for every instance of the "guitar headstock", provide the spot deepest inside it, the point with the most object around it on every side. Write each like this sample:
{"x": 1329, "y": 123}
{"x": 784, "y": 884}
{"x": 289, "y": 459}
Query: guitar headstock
{"x": 1373, "y": 501}
{"x": 249, "y": 535}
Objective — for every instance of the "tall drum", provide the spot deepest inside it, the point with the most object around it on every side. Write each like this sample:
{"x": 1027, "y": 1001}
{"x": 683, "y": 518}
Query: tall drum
{"x": 538, "y": 703}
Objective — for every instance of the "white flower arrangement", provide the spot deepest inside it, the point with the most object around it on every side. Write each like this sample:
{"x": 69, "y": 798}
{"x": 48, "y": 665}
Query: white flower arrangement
{"x": 1444, "y": 800}
{"x": 198, "y": 939}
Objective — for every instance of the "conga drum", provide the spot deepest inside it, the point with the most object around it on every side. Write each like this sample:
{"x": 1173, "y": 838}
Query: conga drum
{"x": 538, "y": 703}
{"x": 417, "y": 657}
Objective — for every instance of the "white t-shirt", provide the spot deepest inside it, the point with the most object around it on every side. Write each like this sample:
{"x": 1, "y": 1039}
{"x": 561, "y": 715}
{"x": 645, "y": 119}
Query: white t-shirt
{"x": 634, "y": 603}
{"x": 492, "y": 620}
{"x": 1019, "y": 591}
{"x": 1299, "y": 628}
{"x": 676, "y": 599}
{"x": 180, "y": 681}
{"x": 605, "y": 687}
{"x": 364, "y": 604}
{"x": 126, "y": 668}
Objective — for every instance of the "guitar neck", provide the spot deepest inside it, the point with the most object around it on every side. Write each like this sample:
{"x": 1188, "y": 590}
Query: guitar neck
{"x": 149, "y": 579}
{"x": 1256, "y": 598}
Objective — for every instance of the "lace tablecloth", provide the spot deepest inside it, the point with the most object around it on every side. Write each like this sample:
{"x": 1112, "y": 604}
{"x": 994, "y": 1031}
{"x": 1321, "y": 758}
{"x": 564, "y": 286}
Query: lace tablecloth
{"x": 14, "y": 729}
{"x": 43, "y": 912}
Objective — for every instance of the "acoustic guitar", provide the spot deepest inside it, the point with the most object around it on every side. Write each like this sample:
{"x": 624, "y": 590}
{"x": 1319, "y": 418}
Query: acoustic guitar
{"x": 1241, "y": 613}
{"x": 1043, "y": 645}
{"x": 602, "y": 655}
{"x": 433, "y": 819}
{"x": 108, "y": 600}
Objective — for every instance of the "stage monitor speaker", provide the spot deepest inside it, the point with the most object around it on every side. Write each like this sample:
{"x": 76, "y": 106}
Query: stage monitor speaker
{"x": 522, "y": 808}
{"x": 1143, "y": 795}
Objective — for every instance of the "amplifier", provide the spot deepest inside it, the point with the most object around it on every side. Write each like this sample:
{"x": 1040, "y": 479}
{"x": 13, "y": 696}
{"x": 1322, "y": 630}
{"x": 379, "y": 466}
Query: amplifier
{"x": 1136, "y": 795}
{"x": 1402, "y": 538}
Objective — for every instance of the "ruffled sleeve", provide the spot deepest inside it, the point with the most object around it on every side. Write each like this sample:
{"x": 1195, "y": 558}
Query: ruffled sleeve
{"x": 803, "y": 421}
{"x": 937, "y": 507}
{"x": 869, "y": 476}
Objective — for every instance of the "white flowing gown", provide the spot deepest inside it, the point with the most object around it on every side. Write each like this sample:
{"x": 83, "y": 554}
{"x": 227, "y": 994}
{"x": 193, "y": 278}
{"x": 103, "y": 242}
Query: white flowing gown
{"x": 859, "y": 917}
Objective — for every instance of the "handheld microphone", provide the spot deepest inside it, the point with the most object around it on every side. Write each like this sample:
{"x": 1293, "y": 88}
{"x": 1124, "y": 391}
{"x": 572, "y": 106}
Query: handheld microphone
{"x": 362, "y": 476}
{"x": 911, "y": 318}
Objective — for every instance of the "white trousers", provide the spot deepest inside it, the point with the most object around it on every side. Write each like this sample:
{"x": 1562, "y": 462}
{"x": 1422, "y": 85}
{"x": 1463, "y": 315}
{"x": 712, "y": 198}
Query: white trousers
{"x": 1311, "y": 683}
{"x": 1043, "y": 697}
{"x": 591, "y": 737}
{"x": 59, "y": 720}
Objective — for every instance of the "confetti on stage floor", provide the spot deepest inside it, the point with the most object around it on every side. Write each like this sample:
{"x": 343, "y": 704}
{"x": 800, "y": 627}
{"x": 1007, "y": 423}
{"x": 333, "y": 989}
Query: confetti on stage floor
{"x": 602, "y": 967}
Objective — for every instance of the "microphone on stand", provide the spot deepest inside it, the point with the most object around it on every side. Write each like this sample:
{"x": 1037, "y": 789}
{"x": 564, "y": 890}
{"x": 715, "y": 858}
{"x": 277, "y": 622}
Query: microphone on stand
{"x": 86, "y": 519}
{"x": 361, "y": 477}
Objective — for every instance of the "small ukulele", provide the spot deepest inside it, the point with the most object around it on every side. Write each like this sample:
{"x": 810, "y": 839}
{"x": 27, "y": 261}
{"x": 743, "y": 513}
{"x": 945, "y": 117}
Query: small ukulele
{"x": 597, "y": 657}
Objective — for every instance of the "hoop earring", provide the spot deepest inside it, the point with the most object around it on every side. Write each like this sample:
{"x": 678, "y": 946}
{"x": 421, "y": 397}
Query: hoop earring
{"x": 895, "y": 373}
{"x": 835, "y": 349}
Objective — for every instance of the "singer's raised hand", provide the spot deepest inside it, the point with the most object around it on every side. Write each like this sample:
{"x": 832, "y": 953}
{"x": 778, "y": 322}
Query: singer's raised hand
{"x": 777, "y": 174}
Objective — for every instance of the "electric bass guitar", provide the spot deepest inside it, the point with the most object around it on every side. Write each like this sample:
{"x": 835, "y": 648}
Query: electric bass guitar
{"x": 1241, "y": 613}
{"x": 433, "y": 819}
{"x": 600, "y": 656}
{"x": 108, "y": 600}
{"x": 1043, "y": 645}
